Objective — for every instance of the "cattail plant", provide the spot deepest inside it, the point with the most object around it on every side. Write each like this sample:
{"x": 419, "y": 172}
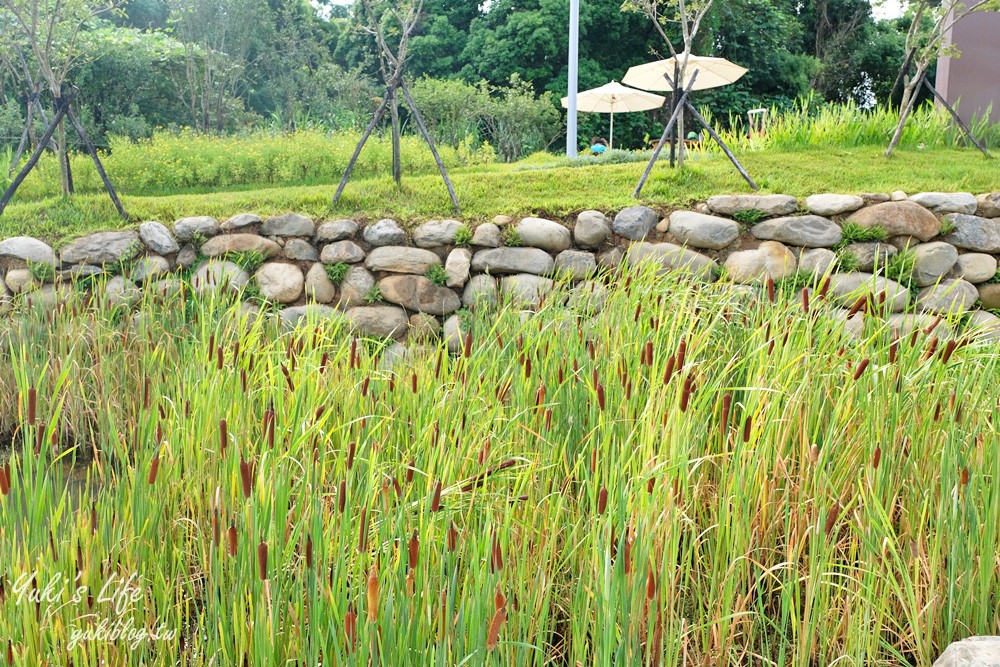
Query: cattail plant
{"x": 262, "y": 560}
{"x": 372, "y": 594}
{"x": 496, "y": 623}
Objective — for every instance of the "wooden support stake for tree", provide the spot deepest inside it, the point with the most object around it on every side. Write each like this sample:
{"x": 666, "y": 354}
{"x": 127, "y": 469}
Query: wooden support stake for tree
{"x": 97, "y": 161}
{"x": 430, "y": 142}
{"x": 666, "y": 133}
{"x": 33, "y": 160}
{"x": 954, "y": 114}
{"x": 722, "y": 144}
{"x": 23, "y": 143}
{"x": 361, "y": 144}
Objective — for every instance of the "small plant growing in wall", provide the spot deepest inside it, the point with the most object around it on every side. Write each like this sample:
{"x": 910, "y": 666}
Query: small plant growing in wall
{"x": 374, "y": 295}
{"x": 846, "y": 261}
{"x": 852, "y": 232}
{"x": 41, "y": 271}
{"x": 750, "y": 217}
{"x": 248, "y": 260}
{"x": 948, "y": 226}
{"x": 337, "y": 272}
{"x": 437, "y": 275}
{"x": 510, "y": 237}
{"x": 463, "y": 236}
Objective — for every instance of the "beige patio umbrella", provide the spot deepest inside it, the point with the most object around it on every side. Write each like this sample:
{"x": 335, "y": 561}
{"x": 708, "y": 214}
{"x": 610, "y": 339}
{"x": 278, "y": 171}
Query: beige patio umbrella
{"x": 615, "y": 98}
{"x": 712, "y": 73}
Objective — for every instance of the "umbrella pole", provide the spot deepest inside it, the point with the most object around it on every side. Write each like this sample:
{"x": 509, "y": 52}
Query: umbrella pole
{"x": 612, "y": 146}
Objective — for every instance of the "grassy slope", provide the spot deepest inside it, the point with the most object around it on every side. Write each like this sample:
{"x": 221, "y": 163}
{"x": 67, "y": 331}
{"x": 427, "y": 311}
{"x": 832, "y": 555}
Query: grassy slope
{"x": 532, "y": 189}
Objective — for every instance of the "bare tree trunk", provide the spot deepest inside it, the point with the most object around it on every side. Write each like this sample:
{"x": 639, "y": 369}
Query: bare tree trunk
{"x": 910, "y": 97}
{"x": 680, "y": 140}
{"x": 397, "y": 162}
{"x": 64, "y": 177}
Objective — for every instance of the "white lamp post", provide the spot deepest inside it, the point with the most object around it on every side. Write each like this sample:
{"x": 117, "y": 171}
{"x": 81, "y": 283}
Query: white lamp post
{"x": 574, "y": 43}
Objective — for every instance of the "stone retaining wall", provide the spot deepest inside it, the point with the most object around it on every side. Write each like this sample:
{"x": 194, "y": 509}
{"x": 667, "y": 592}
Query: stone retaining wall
{"x": 392, "y": 282}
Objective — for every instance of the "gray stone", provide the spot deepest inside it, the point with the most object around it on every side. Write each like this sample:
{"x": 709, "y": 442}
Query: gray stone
{"x": 318, "y": 286}
{"x": 454, "y": 337}
{"x": 48, "y": 297}
{"x": 635, "y": 222}
{"x": 591, "y": 229}
{"x": 502, "y": 220}
{"x": 355, "y": 287}
{"x": 986, "y": 326}
{"x": 282, "y": 283}
{"x": 6, "y": 301}
{"x": 575, "y": 265}
{"x": 544, "y": 234}
{"x": 989, "y": 294}
{"x": 853, "y": 326}
{"x": 588, "y": 297}
{"x": 897, "y": 195}
{"x": 423, "y": 327}
{"x": 769, "y": 205}
{"x": 436, "y": 233}
{"x": 932, "y": 261}
{"x": 972, "y": 652}
{"x": 948, "y": 296}
{"x": 298, "y": 316}
{"x": 75, "y": 273}
{"x": 513, "y": 260}
{"x": 946, "y": 202}
{"x": 807, "y": 231}
{"x": 419, "y": 294}
{"x": 525, "y": 290}
{"x": 833, "y": 204}
{"x": 848, "y": 288}
{"x": 158, "y": 238}
{"x": 16, "y": 252}
{"x": 378, "y": 321}
{"x": 670, "y": 258}
{"x": 336, "y": 230}
{"x": 20, "y": 281}
{"x": 486, "y": 235}
{"x": 771, "y": 259}
{"x": 187, "y": 257}
{"x": 289, "y": 224}
{"x": 300, "y": 250}
{"x": 121, "y": 292}
{"x": 974, "y": 233}
{"x": 611, "y": 259}
{"x": 876, "y": 197}
{"x": 148, "y": 268}
{"x": 239, "y": 243}
{"x": 348, "y": 252}
{"x": 481, "y": 290}
{"x": 904, "y": 324}
{"x": 988, "y": 205}
{"x": 456, "y": 267}
{"x": 186, "y": 229}
{"x": 899, "y": 218}
{"x": 974, "y": 267}
{"x": 819, "y": 261}
{"x": 101, "y": 248}
{"x": 871, "y": 255}
{"x": 240, "y": 221}
{"x": 703, "y": 231}
{"x": 385, "y": 232}
{"x": 401, "y": 259}
{"x": 216, "y": 275}
{"x": 168, "y": 287}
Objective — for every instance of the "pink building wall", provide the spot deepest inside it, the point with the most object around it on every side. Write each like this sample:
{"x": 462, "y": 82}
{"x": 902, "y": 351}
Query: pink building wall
{"x": 973, "y": 80}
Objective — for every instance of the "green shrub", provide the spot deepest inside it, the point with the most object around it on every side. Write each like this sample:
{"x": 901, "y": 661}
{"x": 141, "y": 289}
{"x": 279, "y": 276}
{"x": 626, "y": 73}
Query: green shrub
{"x": 900, "y": 267}
{"x": 947, "y": 226}
{"x": 43, "y": 272}
{"x": 337, "y": 272}
{"x": 437, "y": 275}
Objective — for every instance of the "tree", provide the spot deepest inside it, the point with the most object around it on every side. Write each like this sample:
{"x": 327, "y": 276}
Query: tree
{"x": 47, "y": 41}
{"x": 925, "y": 43}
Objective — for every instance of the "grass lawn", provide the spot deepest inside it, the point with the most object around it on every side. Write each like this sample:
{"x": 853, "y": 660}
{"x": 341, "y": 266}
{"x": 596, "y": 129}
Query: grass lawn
{"x": 534, "y": 186}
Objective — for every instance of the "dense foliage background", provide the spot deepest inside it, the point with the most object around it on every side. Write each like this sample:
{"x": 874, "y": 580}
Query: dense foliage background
{"x": 486, "y": 73}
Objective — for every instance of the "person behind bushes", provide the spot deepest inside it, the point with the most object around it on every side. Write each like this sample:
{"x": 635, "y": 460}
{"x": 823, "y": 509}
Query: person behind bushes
{"x": 598, "y": 145}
